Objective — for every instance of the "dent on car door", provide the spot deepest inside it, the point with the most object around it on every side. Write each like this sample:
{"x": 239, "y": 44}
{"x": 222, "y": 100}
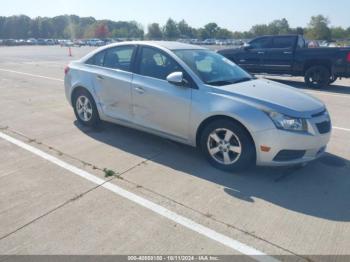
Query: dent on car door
{"x": 112, "y": 82}
{"x": 157, "y": 104}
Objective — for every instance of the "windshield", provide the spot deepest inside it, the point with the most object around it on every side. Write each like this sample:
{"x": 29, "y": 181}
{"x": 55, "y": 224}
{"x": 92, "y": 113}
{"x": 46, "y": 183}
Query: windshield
{"x": 213, "y": 68}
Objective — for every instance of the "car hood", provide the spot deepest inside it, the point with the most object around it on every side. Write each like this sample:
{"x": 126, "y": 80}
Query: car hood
{"x": 270, "y": 95}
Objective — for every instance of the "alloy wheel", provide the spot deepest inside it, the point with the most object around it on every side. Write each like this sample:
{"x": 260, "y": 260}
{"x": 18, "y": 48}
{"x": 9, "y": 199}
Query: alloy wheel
{"x": 224, "y": 146}
{"x": 84, "y": 108}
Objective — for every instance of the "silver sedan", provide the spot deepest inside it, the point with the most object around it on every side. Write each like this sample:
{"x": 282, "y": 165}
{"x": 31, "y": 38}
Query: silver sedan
{"x": 195, "y": 96}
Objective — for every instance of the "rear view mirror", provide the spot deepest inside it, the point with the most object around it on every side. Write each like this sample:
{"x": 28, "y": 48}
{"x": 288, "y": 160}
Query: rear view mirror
{"x": 176, "y": 78}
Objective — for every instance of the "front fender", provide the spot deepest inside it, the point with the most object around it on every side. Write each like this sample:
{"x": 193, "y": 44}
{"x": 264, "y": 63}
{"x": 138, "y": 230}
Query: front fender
{"x": 252, "y": 118}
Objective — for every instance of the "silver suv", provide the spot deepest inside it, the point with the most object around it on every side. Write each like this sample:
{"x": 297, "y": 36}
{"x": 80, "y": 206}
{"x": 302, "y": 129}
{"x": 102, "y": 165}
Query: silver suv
{"x": 195, "y": 96}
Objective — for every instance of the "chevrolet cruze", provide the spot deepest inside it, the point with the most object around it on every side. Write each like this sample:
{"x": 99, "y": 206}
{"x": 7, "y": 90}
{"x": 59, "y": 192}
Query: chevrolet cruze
{"x": 196, "y": 96}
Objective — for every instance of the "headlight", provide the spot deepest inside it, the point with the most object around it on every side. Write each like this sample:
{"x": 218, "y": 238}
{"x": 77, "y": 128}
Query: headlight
{"x": 288, "y": 123}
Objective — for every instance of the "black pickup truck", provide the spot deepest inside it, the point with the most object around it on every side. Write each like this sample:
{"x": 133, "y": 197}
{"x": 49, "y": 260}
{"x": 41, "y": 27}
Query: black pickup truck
{"x": 289, "y": 55}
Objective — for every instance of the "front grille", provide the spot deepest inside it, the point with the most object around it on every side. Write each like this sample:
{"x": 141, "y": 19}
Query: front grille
{"x": 324, "y": 127}
{"x": 289, "y": 155}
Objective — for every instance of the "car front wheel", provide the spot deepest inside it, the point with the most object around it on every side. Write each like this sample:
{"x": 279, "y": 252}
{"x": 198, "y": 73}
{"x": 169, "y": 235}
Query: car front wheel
{"x": 227, "y": 145}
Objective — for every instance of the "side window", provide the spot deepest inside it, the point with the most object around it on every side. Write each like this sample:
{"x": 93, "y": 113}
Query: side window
{"x": 97, "y": 59}
{"x": 119, "y": 57}
{"x": 283, "y": 42}
{"x": 260, "y": 43}
{"x": 157, "y": 64}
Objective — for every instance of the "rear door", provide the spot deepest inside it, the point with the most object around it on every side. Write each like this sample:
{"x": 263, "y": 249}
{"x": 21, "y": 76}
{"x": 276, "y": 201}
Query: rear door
{"x": 112, "y": 81}
{"x": 157, "y": 104}
{"x": 279, "y": 58}
{"x": 252, "y": 58}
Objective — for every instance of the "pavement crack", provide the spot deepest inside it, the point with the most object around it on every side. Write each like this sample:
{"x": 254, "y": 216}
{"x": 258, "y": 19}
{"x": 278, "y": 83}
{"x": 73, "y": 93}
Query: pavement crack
{"x": 105, "y": 171}
{"x": 211, "y": 217}
{"x": 73, "y": 199}
{"x": 56, "y": 151}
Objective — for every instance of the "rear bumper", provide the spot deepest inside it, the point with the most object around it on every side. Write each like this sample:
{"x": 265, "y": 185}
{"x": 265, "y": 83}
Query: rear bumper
{"x": 342, "y": 71}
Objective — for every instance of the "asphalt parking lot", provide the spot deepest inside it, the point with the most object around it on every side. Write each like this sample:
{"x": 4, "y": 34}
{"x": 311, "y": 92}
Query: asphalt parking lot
{"x": 47, "y": 208}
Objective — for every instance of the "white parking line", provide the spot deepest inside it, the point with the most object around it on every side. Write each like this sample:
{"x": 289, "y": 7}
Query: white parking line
{"x": 188, "y": 223}
{"x": 32, "y": 75}
{"x": 341, "y": 128}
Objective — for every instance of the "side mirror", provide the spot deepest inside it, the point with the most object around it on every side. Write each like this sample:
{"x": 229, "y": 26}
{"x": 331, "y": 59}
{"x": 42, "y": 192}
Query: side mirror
{"x": 176, "y": 78}
{"x": 247, "y": 47}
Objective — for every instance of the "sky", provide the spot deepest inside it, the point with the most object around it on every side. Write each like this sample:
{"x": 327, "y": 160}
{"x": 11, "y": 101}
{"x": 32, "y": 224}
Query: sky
{"x": 236, "y": 15}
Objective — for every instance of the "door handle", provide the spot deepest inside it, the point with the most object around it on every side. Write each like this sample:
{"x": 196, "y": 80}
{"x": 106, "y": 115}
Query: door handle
{"x": 261, "y": 53}
{"x": 99, "y": 77}
{"x": 139, "y": 90}
{"x": 287, "y": 53}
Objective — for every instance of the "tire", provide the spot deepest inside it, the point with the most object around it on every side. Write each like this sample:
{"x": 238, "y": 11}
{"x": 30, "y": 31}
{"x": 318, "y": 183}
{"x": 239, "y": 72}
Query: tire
{"x": 317, "y": 77}
{"x": 239, "y": 149}
{"x": 332, "y": 79}
{"x": 85, "y": 108}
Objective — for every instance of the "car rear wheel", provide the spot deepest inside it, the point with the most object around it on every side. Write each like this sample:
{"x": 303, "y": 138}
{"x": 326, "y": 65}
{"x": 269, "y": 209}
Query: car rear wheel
{"x": 85, "y": 108}
{"x": 227, "y": 145}
{"x": 317, "y": 77}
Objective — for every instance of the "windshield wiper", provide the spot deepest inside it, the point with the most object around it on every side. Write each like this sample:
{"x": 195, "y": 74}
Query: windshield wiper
{"x": 220, "y": 83}
{"x": 244, "y": 79}
{"x": 227, "y": 82}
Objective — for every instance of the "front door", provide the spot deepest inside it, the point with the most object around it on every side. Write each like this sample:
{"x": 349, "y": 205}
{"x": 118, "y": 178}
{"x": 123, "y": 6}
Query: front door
{"x": 157, "y": 104}
{"x": 252, "y": 58}
{"x": 279, "y": 58}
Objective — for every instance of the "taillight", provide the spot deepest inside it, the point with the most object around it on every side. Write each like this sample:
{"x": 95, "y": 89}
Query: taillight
{"x": 348, "y": 57}
{"x": 66, "y": 70}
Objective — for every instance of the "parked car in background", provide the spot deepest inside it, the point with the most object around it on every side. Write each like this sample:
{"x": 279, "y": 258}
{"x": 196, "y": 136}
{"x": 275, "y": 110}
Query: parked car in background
{"x": 209, "y": 42}
{"x": 9, "y": 42}
{"x": 79, "y": 43}
{"x": 95, "y": 42}
{"x": 67, "y": 43}
{"x": 195, "y": 41}
{"x": 198, "y": 97}
{"x": 31, "y": 41}
{"x": 289, "y": 55}
{"x": 49, "y": 42}
{"x": 41, "y": 41}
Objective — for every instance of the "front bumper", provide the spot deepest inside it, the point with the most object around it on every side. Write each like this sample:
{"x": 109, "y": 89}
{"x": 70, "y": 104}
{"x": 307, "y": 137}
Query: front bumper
{"x": 309, "y": 146}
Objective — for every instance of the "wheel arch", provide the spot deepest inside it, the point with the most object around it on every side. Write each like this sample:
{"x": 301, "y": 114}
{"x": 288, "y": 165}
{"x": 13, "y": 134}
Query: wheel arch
{"x": 318, "y": 62}
{"x": 213, "y": 118}
{"x": 77, "y": 89}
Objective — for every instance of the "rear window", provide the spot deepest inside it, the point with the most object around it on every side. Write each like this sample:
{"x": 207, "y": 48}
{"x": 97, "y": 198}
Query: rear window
{"x": 119, "y": 57}
{"x": 115, "y": 57}
{"x": 97, "y": 59}
{"x": 283, "y": 42}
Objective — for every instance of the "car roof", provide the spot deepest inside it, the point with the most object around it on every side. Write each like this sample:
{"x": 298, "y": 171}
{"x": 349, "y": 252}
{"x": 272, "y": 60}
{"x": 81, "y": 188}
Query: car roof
{"x": 170, "y": 45}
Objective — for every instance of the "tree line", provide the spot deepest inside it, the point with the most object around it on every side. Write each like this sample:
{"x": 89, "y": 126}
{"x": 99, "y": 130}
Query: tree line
{"x": 67, "y": 27}
{"x": 75, "y": 27}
